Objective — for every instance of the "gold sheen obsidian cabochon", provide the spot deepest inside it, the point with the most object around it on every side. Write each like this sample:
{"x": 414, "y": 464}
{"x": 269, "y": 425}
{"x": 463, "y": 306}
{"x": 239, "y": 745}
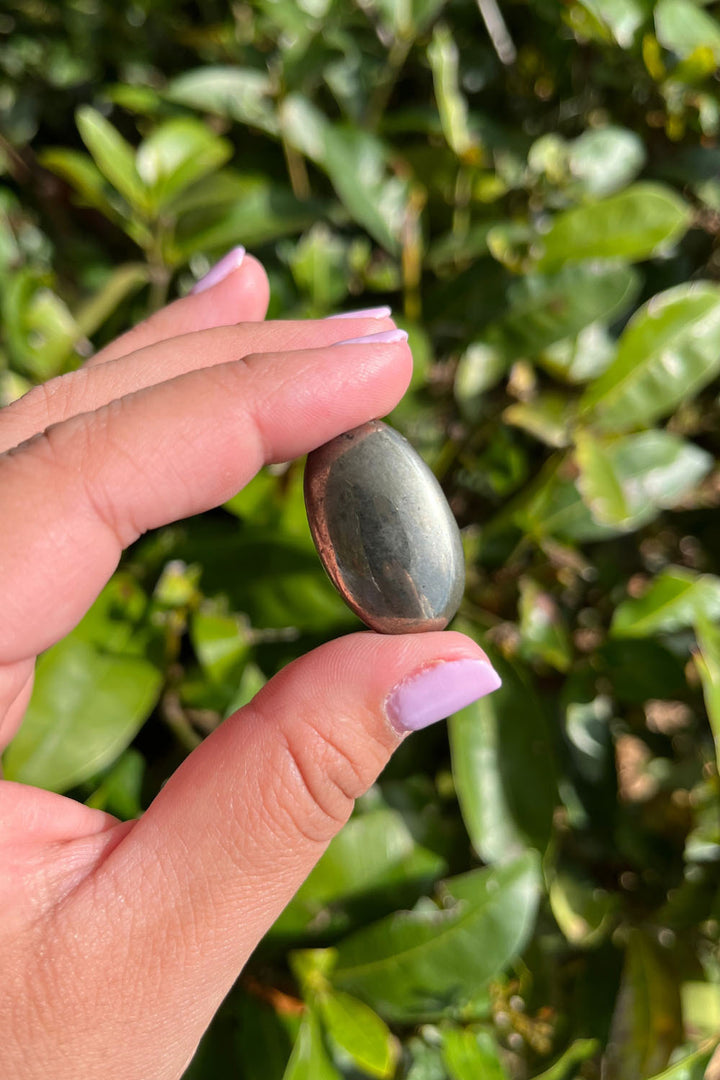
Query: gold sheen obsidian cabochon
{"x": 384, "y": 531}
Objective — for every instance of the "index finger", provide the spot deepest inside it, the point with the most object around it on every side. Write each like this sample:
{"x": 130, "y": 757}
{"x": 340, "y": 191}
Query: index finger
{"x": 96, "y": 482}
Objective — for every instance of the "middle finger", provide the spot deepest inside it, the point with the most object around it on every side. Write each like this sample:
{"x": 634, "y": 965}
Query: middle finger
{"x": 90, "y": 388}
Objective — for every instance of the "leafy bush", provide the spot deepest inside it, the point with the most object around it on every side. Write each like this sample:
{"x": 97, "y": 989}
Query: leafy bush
{"x": 535, "y": 192}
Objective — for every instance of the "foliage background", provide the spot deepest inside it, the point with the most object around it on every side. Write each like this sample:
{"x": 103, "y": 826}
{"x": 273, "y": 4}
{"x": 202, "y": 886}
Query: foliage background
{"x": 535, "y": 192}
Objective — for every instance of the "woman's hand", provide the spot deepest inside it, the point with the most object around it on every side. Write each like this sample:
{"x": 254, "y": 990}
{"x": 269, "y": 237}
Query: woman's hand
{"x": 118, "y": 941}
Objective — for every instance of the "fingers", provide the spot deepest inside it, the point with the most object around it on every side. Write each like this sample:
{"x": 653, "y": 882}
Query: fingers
{"x": 96, "y": 482}
{"x": 86, "y": 390}
{"x": 16, "y": 683}
{"x": 240, "y": 295}
{"x": 237, "y": 829}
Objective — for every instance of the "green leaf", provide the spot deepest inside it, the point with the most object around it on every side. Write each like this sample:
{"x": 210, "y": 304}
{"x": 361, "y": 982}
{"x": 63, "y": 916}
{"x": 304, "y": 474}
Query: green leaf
{"x": 708, "y": 664}
{"x": 634, "y": 224}
{"x": 415, "y": 964}
{"x": 143, "y": 100}
{"x": 625, "y": 482}
{"x": 113, "y": 156}
{"x": 452, "y": 248}
{"x": 479, "y": 369}
{"x": 407, "y": 18}
{"x": 548, "y": 417}
{"x": 553, "y": 506}
{"x": 229, "y": 208}
{"x": 309, "y": 1059}
{"x": 93, "y": 692}
{"x": 442, "y": 54}
{"x": 356, "y": 164}
{"x": 545, "y": 308}
{"x": 360, "y": 1032}
{"x": 12, "y": 387}
{"x": 682, "y": 27}
{"x": 647, "y": 1025}
{"x": 471, "y": 1055}
{"x": 320, "y": 266}
{"x": 251, "y": 682}
{"x": 623, "y": 18}
{"x": 426, "y": 1062}
{"x": 248, "y": 1037}
{"x": 691, "y": 1067}
{"x": 220, "y": 640}
{"x": 543, "y": 632}
{"x": 579, "y": 1051}
{"x": 312, "y": 969}
{"x": 40, "y": 330}
{"x": 81, "y": 172}
{"x": 177, "y": 154}
{"x": 243, "y": 94}
{"x": 304, "y": 126}
{"x": 287, "y": 586}
{"x": 583, "y": 911}
{"x": 120, "y": 789}
{"x": 503, "y": 768}
{"x": 604, "y": 160}
{"x": 701, "y": 1007}
{"x": 598, "y": 483}
{"x": 581, "y": 358}
{"x": 121, "y": 283}
{"x": 667, "y": 353}
{"x": 675, "y": 599}
{"x": 375, "y": 850}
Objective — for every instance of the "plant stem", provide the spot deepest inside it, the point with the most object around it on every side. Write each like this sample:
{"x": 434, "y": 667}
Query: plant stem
{"x": 297, "y": 171}
{"x": 412, "y": 254}
{"x": 386, "y": 83}
{"x": 172, "y": 713}
{"x": 159, "y": 283}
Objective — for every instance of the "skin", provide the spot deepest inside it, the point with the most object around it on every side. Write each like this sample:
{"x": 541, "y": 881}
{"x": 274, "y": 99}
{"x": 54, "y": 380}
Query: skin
{"x": 118, "y": 941}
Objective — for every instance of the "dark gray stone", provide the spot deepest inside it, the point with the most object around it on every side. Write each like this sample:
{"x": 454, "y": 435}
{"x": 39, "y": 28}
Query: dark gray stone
{"x": 384, "y": 531}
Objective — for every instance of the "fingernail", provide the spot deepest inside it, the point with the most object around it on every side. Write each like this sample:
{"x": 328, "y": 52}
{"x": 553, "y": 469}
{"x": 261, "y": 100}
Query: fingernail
{"x": 386, "y": 337}
{"x": 437, "y": 692}
{"x": 220, "y": 270}
{"x": 383, "y": 312}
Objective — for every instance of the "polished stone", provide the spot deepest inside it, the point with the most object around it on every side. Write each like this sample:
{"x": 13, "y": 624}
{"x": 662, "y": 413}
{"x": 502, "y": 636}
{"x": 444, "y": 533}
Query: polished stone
{"x": 384, "y": 531}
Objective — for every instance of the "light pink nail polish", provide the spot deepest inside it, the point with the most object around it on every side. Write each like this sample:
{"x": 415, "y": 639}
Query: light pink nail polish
{"x": 383, "y": 312}
{"x": 386, "y": 337}
{"x": 220, "y": 270}
{"x": 436, "y": 692}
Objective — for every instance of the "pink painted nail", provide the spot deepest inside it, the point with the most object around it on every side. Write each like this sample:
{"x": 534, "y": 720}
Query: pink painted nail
{"x": 220, "y": 270}
{"x": 383, "y": 312}
{"x": 386, "y": 337}
{"x": 436, "y": 692}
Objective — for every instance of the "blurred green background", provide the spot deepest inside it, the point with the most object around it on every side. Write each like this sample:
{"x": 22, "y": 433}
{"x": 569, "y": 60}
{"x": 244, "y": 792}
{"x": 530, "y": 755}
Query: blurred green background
{"x": 534, "y": 189}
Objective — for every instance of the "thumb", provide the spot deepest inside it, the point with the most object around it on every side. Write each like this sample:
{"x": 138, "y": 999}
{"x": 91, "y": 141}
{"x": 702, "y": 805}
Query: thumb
{"x": 189, "y": 892}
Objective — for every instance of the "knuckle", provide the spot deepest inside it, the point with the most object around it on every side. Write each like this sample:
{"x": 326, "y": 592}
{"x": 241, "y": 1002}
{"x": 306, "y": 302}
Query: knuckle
{"x": 35, "y": 410}
{"x": 78, "y": 450}
{"x": 253, "y": 401}
{"x": 97, "y": 443}
{"x": 323, "y": 768}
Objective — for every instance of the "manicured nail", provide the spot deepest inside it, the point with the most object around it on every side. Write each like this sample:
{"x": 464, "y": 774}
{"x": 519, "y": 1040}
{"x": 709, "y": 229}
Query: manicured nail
{"x": 386, "y": 337}
{"x": 383, "y": 312}
{"x": 437, "y": 692}
{"x": 220, "y": 270}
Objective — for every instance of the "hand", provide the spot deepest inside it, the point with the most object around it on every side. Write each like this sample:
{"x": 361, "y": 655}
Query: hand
{"x": 119, "y": 940}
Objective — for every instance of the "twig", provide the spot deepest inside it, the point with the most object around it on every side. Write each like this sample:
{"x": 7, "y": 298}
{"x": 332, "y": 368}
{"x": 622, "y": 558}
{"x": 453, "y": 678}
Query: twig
{"x": 172, "y": 713}
{"x": 384, "y": 87}
{"x": 497, "y": 31}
